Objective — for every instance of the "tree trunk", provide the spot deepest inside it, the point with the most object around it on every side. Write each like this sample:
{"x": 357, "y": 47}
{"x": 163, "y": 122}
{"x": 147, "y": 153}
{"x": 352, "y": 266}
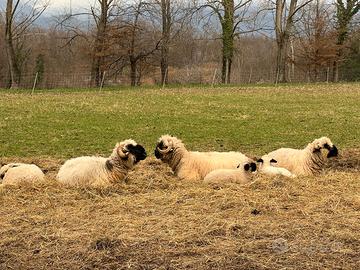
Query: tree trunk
{"x": 15, "y": 74}
{"x": 166, "y": 28}
{"x": 133, "y": 63}
{"x": 283, "y": 27}
{"x": 228, "y": 40}
{"x": 98, "y": 51}
{"x": 335, "y": 74}
{"x": 281, "y": 60}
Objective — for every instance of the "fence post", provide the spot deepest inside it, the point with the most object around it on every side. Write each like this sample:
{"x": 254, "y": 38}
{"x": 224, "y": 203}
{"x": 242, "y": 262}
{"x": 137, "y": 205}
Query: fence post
{"x": 251, "y": 70}
{"x": 327, "y": 74}
{"x": 213, "y": 80}
{"x": 165, "y": 78}
{"x": 102, "y": 81}
{"x": 35, "y": 81}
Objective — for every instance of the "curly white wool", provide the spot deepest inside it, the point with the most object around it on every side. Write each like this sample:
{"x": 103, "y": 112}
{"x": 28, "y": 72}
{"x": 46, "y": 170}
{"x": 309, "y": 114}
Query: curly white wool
{"x": 194, "y": 165}
{"x": 16, "y": 173}
{"x": 307, "y": 161}
{"x": 100, "y": 171}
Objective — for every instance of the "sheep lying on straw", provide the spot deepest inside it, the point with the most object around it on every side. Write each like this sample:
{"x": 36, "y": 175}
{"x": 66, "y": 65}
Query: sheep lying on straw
{"x": 240, "y": 175}
{"x": 99, "y": 171}
{"x": 266, "y": 167}
{"x": 15, "y": 173}
{"x": 194, "y": 165}
{"x": 307, "y": 161}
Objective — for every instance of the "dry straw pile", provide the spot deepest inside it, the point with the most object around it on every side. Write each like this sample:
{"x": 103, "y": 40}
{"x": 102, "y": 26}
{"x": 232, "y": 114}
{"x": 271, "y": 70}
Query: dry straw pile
{"x": 155, "y": 221}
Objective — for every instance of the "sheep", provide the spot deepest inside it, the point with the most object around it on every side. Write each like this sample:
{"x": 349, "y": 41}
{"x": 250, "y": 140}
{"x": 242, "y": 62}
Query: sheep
{"x": 189, "y": 165}
{"x": 240, "y": 175}
{"x": 266, "y": 167}
{"x": 100, "y": 171}
{"x": 16, "y": 173}
{"x": 307, "y": 161}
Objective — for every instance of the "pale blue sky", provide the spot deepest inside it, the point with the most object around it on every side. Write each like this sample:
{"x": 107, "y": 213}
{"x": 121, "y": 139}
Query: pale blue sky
{"x": 66, "y": 3}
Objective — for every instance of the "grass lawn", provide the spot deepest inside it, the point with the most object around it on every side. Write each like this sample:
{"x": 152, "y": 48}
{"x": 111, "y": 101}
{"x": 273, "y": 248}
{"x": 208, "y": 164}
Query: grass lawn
{"x": 155, "y": 221}
{"x": 254, "y": 119}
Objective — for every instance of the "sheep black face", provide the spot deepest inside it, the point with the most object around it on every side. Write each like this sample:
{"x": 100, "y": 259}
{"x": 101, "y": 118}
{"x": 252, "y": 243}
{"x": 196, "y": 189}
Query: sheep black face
{"x": 325, "y": 143}
{"x": 138, "y": 151}
{"x": 333, "y": 151}
{"x": 249, "y": 167}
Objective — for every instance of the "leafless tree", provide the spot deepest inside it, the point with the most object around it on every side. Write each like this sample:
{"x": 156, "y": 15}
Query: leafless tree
{"x": 231, "y": 14}
{"x": 315, "y": 38}
{"x": 285, "y": 12}
{"x": 345, "y": 12}
{"x": 18, "y": 18}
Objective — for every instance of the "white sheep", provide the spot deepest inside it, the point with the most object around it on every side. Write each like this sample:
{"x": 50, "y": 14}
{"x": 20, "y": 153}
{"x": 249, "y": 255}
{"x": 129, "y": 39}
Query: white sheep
{"x": 100, "y": 171}
{"x": 307, "y": 161}
{"x": 194, "y": 165}
{"x": 266, "y": 167}
{"x": 241, "y": 175}
{"x": 16, "y": 173}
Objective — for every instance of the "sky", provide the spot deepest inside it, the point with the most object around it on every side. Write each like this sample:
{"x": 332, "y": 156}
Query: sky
{"x": 56, "y": 5}
{"x": 66, "y": 3}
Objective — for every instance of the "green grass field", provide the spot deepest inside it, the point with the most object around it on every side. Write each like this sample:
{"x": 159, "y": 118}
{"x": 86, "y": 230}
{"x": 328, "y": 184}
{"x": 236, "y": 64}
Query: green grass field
{"x": 251, "y": 119}
{"x": 156, "y": 221}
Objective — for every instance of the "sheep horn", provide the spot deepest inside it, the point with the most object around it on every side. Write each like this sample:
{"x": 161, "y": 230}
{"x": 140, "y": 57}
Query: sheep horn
{"x": 164, "y": 151}
{"x": 123, "y": 153}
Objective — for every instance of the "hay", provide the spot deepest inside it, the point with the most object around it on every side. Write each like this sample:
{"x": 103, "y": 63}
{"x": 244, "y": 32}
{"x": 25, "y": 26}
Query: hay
{"x": 155, "y": 221}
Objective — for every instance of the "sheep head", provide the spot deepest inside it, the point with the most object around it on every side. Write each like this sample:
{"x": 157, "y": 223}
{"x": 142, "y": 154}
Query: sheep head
{"x": 166, "y": 146}
{"x": 266, "y": 160}
{"x": 324, "y": 143}
{"x": 4, "y": 169}
{"x": 249, "y": 166}
{"x": 129, "y": 151}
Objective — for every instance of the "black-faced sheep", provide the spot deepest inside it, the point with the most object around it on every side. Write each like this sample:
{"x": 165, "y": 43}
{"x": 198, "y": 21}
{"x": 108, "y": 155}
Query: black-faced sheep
{"x": 15, "y": 173}
{"x": 194, "y": 165}
{"x": 100, "y": 171}
{"x": 307, "y": 161}
{"x": 266, "y": 167}
{"x": 241, "y": 175}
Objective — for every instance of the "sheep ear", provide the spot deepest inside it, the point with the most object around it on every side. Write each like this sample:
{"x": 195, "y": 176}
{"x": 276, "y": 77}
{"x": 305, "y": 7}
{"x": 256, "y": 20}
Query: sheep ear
{"x": 247, "y": 167}
{"x": 253, "y": 166}
{"x": 109, "y": 166}
{"x": 273, "y": 161}
{"x": 327, "y": 146}
{"x": 238, "y": 166}
{"x": 260, "y": 160}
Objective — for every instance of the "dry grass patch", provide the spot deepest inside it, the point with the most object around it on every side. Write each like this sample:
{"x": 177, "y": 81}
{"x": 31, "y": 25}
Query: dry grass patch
{"x": 155, "y": 221}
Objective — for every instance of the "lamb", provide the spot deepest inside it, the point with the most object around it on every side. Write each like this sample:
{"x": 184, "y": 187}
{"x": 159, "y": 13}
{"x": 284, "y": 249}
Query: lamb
{"x": 240, "y": 175}
{"x": 194, "y": 165}
{"x": 307, "y": 161}
{"x": 16, "y": 173}
{"x": 266, "y": 167}
{"x": 100, "y": 171}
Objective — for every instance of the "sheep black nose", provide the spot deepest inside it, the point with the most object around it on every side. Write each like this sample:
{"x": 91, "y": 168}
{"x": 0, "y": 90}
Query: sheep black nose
{"x": 333, "y": 152}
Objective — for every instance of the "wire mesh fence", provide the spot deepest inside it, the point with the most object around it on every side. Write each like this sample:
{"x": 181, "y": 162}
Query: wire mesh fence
{"x": 188, "y": 75}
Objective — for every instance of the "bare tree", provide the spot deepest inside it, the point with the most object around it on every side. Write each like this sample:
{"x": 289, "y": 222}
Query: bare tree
{"x": 101, "y": 18}
{"x": 17, "y": 22}
{"x": 284, "y": 22}
{"x": 171, "y": 16}
{"x": 316, "y": 39}
{"x": 345, "y": 11}
{"x": 166, "y": 31}
{"x": 134, "y": 39}
{"x": 230, "y": 14}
